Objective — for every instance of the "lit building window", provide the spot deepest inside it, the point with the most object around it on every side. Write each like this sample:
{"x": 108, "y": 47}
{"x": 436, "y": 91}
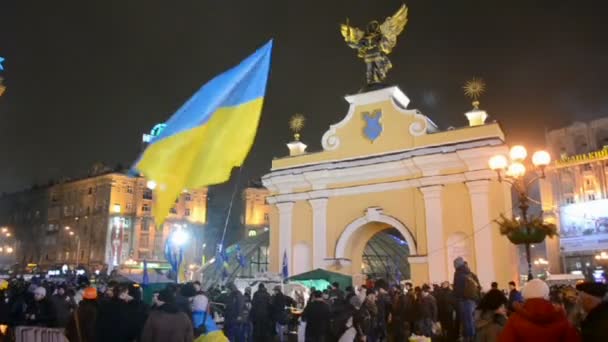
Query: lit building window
{"x": 266, "y": 218}
{"x": 145, "y": 208}
{"x": 173, "y": 210}
{"x": 252, "y": 233}
{"x": 129, "y": 189}
{"x": 187, "y": 197}
{"x": 187, "y": 212}
{"x": 147, "y": 194}
{"x": 591, "y": 197}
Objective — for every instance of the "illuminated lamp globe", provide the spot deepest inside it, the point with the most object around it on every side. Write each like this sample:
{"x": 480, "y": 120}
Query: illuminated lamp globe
{"x": 516, "y": 169}
{"x": 498, "y": 162}
{"x": 179, "y": 237}
{"x": 151, "y": 184}
{"x": 541, "y": 158}
{"x": 518, "y": 152}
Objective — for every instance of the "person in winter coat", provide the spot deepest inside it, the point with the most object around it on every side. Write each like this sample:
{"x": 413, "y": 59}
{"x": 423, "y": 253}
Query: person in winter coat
{"x": 112, "y": 316}
{"x": 446, "y": 310}
{"x": 260, "y": 315}
{"x": 200, "y": 308}
{"x": 491, "y": 316}
{"x": 41, "y": 311}
{"x": 168, "y": 322}
{"x": 514, "y": 296}
{"x": 466, "y": 296}
{"x": 136, "y": 312}
{"x": 427, "y": 311}
{"x": 81, "y": 326}
{"x": 317, "y": 316}
{"x": 63, "y": 306}
{"x": 369, "y": 317}
{"x": 233, "y": 319}
{"x": 278, "y": 303}
{"x": 537, "y": 319}
{"x": 592, "y": 298}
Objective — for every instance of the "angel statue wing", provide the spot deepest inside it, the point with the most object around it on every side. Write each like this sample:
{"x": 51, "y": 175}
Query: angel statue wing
{"x": 352, "y": 35}
{"x": 392, "y": 27}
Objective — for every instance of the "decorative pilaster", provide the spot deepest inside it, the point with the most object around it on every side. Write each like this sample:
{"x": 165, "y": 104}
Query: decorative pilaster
{"x": 436, "y": 253}
{"x": 319, "y": 231}
{"x": 285, "y": 220}
{"x": 480, "y": 200}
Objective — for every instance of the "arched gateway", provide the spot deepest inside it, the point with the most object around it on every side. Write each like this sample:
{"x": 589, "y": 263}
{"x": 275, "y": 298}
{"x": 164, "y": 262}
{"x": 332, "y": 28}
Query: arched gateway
{"x": 430, "y": 188}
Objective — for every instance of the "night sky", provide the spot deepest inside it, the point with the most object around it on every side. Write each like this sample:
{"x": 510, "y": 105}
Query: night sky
{"x": 86, "y": 78}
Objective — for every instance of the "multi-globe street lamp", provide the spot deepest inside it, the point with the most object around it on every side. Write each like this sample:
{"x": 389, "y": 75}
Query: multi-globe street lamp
{"x": 513, "y": 171}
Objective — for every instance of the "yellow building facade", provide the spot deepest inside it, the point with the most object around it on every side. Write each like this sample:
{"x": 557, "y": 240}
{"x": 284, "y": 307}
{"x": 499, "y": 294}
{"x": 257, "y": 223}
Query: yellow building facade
{"x": 256, "y": 215}
{"x": 388, "y": 167}
{"x": 103, "y": 219}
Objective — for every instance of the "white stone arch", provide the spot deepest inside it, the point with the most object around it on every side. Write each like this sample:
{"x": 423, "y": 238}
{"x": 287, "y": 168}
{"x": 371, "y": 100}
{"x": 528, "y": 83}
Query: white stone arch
{"x": 373, "y": 215}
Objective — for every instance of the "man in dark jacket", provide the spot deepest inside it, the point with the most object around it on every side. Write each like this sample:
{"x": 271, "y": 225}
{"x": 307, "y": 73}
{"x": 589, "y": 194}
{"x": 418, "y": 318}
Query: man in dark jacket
{"x": 41, "y": 311}
{"x": 465, "y": 297}
{"x": 427, "y": 311}
{"x": 233, "y": 317}
{"x": 167, "y": 323}
{"x": 317, "y": 316}
{"x": 278, "y": 303}
{"x": 259, "y": 315}
{"x": 514, "y": 296}
{"x": 63, "y": 306}
{"x": 595, "y": 326}
{"x": 81, "y": 327}
{"x": 445, "y": 311}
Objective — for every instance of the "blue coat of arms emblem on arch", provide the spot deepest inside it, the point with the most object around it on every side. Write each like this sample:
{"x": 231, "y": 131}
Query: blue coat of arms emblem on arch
{"x": 373, "y": 126}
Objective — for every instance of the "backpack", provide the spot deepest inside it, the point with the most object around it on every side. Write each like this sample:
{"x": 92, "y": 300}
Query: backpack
{"x": 471, "y": 288}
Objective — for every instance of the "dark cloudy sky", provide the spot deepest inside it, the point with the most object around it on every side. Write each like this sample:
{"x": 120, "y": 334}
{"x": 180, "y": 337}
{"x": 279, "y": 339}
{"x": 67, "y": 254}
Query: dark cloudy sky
{"x": 86, "y": 78}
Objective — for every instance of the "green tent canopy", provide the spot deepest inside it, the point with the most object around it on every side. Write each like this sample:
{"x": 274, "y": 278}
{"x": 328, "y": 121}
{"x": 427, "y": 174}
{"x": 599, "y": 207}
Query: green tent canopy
{"x": 318, "y": 276}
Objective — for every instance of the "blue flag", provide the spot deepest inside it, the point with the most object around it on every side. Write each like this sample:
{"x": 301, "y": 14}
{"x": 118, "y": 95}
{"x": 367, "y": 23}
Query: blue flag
{"x": 1, "y": 60}
{"x": 240, "y": 258}
{"x": 285, "y": 268}
{"x": 145, "y": 278}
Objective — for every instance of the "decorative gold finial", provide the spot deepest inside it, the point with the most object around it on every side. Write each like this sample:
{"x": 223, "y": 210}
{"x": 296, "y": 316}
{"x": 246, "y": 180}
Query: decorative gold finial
{"x": 473, "y": 89}
{"x": 296, "y": 123}
{"x": 2, "y": 87}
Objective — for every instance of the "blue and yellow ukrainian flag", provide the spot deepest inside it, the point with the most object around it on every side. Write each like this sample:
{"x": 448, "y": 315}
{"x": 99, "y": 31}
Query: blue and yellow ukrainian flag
{"x": 209, "y": 135}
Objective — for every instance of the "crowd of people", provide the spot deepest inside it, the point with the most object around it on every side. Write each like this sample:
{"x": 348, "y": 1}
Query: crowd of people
{"x": 374, "y": 312}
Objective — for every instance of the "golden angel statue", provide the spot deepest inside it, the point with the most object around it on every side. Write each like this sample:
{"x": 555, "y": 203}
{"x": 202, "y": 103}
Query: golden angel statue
{"x": 374, "y": 44}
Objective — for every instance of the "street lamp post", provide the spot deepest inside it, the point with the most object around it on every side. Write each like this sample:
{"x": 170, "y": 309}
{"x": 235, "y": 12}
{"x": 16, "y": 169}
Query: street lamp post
{"x": 71, "y": 233}
{"x": 513, "y": 172}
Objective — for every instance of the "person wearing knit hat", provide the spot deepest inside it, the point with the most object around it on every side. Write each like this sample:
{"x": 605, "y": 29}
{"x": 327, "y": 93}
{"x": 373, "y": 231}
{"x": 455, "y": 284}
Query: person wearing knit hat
{"x": 39, "y": 293}
{"x": 83, "y": 323}
{"x": 535, "y": 288}
{"x": 40, "y": 312}
{"x": 592, "y": 299}
{"x": 537, "y": 319}
{"x": 89, "y": 293}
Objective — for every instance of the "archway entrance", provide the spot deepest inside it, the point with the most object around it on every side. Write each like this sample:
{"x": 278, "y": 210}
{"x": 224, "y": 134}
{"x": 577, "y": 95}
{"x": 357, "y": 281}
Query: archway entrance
{"x": 385, "y": 256}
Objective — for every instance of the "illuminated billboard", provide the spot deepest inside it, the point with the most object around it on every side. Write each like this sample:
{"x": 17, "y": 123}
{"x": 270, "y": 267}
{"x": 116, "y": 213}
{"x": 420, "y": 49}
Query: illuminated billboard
{"x": 584, "y": 226}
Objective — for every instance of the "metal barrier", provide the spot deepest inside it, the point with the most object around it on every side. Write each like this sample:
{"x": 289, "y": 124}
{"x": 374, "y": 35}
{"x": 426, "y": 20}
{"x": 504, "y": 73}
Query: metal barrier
{"x": 39, "y": 334}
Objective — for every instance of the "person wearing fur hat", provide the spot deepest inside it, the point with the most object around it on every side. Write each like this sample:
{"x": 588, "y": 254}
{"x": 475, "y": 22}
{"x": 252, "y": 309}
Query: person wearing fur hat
{"x": 537, "y": 319}
{"x": 592, "y": 297}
